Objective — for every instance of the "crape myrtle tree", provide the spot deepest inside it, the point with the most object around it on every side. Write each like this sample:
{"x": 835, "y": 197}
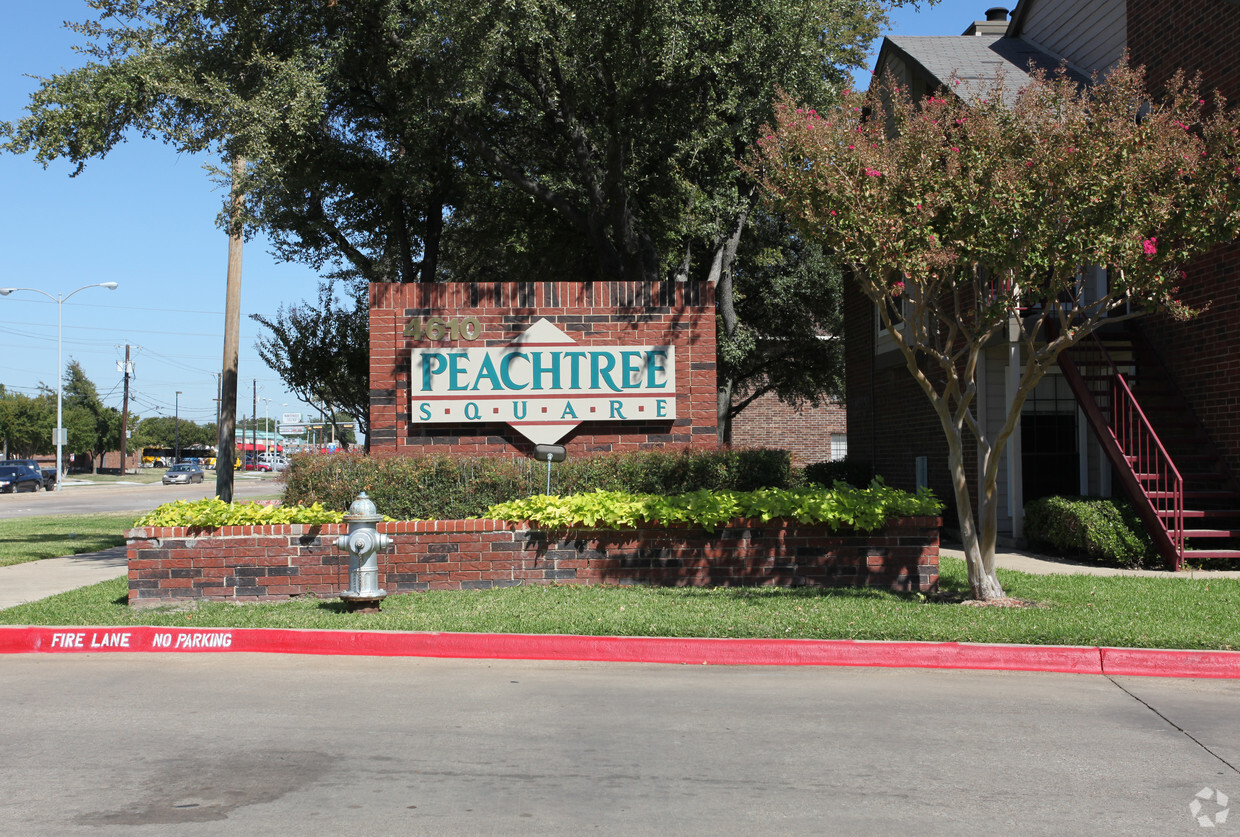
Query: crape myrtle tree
{"x": 409, "y": 140}
{"x": 984, "y": 211}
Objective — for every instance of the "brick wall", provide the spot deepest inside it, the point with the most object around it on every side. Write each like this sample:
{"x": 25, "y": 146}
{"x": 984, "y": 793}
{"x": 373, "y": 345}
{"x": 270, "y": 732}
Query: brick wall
{"x": 1203, "y": 353}
{"x": 890, "y": 420}
{"x": 805, "y": 432}
{"x": 594, "y": 314}
{"x": 260, "y": 563}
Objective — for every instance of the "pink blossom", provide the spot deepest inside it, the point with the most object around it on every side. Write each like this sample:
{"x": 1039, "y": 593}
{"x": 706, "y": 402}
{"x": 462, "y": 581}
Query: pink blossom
{"x": 833, "y": 212}
{"x": 1150, "y": 245}
{"x": 873, "y": 172}
{"x": 850, "y": 148}
{"x": 954, "y": 148}
{"x": 897, "y": 289}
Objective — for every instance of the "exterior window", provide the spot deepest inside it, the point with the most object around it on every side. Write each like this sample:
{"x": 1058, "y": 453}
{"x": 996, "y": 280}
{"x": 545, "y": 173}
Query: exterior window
{"x": 839, "y": 446}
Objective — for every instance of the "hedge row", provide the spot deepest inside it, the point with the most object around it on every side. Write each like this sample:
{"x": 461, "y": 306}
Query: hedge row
{"x": 1105, "y": 530}
{"x": 446, "y": 488}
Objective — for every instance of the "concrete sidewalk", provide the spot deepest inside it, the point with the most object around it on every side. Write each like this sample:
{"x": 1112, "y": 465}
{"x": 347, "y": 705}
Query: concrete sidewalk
{"x": 36, "y": 580}
{"x": 1034, "y": 564}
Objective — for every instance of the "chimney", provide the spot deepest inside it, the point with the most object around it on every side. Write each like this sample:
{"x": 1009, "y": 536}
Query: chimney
{"x": 996, "y": 23}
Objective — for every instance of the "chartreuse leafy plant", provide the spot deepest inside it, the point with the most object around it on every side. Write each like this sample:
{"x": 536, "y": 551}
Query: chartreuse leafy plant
{"x": 983, "y": 219}
{"x": 858, "y": 508}
{"x": 213, "y": 513}
{"x": 865, "y": 509}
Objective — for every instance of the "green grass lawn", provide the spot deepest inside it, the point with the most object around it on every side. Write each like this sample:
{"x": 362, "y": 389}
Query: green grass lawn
{"x": 1069, "y": 610}
{"x": 145, "y": 476}
{"x": 51, "y": 536}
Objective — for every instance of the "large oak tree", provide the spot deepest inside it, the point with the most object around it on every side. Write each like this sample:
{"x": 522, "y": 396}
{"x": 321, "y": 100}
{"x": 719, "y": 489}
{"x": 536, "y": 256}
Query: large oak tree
{"x": 424, "y": 140}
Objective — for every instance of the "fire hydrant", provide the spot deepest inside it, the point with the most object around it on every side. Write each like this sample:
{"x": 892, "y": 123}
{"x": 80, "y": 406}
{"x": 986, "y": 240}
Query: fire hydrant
{"x": 362, "y": 542}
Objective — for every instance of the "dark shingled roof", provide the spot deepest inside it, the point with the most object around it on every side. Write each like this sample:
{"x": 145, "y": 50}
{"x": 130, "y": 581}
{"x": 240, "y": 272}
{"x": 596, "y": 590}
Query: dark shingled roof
{"x": 976, "y": 60}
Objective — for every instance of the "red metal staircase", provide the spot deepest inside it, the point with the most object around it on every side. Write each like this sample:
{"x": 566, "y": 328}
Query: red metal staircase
{"x": 1183, "y": 490}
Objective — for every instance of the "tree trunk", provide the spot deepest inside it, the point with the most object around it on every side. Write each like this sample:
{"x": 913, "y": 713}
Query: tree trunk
{"x": 227, "y": 439}
{"x": 723, "y": 409}
{"x": 979, "y": 547}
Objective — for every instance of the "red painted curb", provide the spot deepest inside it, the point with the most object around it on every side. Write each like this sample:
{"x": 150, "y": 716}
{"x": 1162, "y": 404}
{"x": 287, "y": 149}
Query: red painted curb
{"x": 683, "y": 651}
{"x": 1155, "y": 662}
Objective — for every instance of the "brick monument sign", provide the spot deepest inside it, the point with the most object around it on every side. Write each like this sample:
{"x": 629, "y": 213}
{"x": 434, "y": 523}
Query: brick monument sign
{"x": 497, "y": 368}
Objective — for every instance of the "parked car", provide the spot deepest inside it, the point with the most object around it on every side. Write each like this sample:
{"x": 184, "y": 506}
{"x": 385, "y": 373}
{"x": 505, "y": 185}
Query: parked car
{"x": 47, "y": 476}
{"x": 252, "y": 464}
{"x": 15, "y": 478}
{"x": 275, "y": 461}
{"x": 183, "y": 473}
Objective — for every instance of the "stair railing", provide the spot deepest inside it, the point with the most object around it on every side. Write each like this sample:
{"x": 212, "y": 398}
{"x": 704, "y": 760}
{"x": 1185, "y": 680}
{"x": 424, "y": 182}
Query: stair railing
{"x": 1130, "y": 442}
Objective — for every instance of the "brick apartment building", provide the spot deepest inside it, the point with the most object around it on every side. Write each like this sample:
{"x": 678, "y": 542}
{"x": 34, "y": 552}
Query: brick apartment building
{"x": 1186, "y": 373}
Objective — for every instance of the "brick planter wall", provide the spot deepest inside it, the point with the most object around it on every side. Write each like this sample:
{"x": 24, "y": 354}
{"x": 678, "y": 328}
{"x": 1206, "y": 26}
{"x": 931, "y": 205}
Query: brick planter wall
{"x": 264, "y": 563}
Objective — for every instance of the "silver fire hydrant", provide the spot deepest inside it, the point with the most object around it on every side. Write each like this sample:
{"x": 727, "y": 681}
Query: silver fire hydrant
{"x": 362, "y": 542}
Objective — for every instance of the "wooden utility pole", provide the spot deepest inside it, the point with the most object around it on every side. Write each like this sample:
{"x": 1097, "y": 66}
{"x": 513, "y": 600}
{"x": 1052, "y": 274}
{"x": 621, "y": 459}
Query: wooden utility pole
{"x": 227, "y": 447}
{"x": 125, "y": 418}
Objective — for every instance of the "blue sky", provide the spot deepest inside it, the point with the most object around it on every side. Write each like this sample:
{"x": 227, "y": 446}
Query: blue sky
{"x": 144, "y": 217}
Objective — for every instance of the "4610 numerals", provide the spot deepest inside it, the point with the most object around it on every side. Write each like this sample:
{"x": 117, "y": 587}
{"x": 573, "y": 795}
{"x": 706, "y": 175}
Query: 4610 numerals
{"x": 444, "y": 328}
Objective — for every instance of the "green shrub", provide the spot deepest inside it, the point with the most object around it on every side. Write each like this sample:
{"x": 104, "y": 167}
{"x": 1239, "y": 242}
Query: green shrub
{"x": 445, "y": 487}
{"x": 851, "y": 471}
{"x": 410, "y": 488}
{"x": 1105, "y": 530}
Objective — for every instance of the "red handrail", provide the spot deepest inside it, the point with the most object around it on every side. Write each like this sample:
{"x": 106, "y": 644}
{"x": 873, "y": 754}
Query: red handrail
{"x": 1160, "y": 480}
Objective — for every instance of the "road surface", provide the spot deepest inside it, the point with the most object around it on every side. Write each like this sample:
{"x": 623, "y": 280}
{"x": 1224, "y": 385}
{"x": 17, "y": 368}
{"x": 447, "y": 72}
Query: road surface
{"x": 207, "y": 744}
{"x": 98, "y": 498}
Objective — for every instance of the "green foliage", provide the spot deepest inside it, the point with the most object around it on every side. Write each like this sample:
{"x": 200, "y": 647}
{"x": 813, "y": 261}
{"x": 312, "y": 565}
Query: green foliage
{"x": 850, "y": 471}
{"x": 784, "y": 334}
{"x": 964, "y": 214}
{"x": 93, "y": 428}
{"x": 406, "y": 140}
{"x": 444, "y": 487}
{"x": 162, "y": 432}
{"x": 1103, "y": 529}
{"x": 213, "y": 513}
{"x": 320, "y": 351}
{"x": 844, "y": 506}
{"x": 26, "y": 423}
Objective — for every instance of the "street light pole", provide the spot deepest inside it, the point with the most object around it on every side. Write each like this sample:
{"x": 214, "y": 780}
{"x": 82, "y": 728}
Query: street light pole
{"x": 176, "y": 422}
{"x": 59, "y": 432}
